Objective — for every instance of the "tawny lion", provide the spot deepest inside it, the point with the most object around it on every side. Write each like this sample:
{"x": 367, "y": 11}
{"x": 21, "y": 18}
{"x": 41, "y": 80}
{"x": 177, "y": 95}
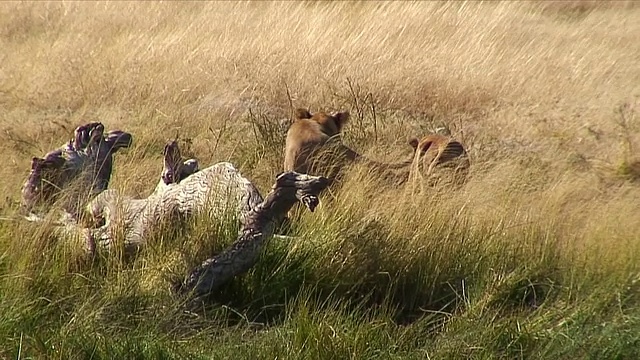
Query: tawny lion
{"x": 442, "y": 153}
{"x": 313, "y": 146}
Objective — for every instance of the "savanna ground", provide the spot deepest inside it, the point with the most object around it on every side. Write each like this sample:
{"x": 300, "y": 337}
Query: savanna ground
{"x": 536, "y": 256}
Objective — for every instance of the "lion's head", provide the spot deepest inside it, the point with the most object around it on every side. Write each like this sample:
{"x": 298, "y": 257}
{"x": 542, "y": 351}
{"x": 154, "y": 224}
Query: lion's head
{"x": 310, "y": 133}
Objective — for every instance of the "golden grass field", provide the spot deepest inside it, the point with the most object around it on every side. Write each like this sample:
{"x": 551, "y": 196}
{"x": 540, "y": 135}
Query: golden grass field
{"x": 545, "y": 95}
{"x": 531, "y": 88}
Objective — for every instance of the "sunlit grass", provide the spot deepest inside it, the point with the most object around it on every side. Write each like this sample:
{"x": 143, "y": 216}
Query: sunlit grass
{"x": 536, "y": 256}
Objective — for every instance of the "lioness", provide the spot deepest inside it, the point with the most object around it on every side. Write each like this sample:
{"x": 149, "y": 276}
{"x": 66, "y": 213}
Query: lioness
{"x": 441, "y": 152}
{"x": 313, "y": 145}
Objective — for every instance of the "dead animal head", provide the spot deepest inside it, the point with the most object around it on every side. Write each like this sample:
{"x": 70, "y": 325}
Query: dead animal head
{"x": 43, "y": 181}
{"x": 89, "y": 153}
{"x": 175, "y": 169}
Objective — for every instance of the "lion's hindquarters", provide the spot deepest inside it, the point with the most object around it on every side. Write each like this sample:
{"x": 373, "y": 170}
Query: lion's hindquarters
{"x": 452, "y": 151}
{"x": 451, "y": 165}
{"x": 440, "y": 160}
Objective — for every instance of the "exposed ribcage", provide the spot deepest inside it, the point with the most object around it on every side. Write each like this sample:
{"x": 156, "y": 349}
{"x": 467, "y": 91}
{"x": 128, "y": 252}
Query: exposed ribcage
{"x": 212, "y": 191}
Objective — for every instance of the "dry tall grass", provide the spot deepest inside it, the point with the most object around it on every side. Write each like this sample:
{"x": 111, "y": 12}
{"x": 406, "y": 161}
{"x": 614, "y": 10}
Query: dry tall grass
{"x": 535, "y": 89}
{"x": 532, "y": 88}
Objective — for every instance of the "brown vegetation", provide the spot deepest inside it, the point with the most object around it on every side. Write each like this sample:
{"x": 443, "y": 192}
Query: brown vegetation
{"x": 530, "y": 94}
{"x": 543, "y": 95}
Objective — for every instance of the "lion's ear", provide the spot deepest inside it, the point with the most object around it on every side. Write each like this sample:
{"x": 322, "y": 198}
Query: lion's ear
{"x": 302, "y": 113}
{"x": 414, "y": 143}
{"x": 341, "y": 119}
